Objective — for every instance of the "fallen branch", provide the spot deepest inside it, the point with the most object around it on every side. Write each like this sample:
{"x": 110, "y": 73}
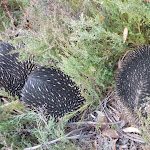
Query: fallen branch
{"x": 59, "y": 139}
{"x": 139, "y": 140}
{"x": 90, "y": 123}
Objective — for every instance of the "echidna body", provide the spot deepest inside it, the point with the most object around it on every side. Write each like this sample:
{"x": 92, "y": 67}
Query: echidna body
{"x": 52, "y": 89}
{"x": 133, "y": 82}
{"x": 13, "y": 73}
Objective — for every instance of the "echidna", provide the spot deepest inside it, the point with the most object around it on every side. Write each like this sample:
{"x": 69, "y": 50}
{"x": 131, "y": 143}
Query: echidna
{"x": 52, "y": 89}
{"x": 43, "y": 87}
{"x": 13, "y": 73}
{"x": 133, "y": 83}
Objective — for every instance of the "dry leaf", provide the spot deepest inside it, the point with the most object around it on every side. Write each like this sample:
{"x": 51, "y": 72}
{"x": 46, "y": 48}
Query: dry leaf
{"x": 101, "y": 118}
{"x": 125, "y": 34}
{"x": 131, "y": 129}
{"x": 111, "y": 133}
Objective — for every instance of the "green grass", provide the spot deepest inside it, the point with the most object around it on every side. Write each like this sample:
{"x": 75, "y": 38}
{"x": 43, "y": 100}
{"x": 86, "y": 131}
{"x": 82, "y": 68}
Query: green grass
{"x": 83, "y": 38}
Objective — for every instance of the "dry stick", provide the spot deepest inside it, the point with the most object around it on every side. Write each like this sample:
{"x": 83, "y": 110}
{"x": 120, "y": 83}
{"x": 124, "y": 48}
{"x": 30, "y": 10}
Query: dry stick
{"x": 4, "y": 25}
{"x": 105, "y": 109}
{"x": 5, "y": 100}
{"x": 59, "y": 139}
{"x": 106, "y": 100}
{"x": 74, "y": 131}
{"x": 113, "y": 109}
{"x": 90, "y": 123}
{"x": 11, "y": 18}
{"x": 8, "y": 104}
{"x": 134, "y": 139}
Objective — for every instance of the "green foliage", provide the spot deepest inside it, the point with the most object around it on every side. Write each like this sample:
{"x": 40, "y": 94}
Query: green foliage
{"x": 32, "y": 128}
{"x": 10, "y": 11}
{"x": 131, "y": 13}
{"x": 84, "y": 39}
{"x": 87, "y": 47}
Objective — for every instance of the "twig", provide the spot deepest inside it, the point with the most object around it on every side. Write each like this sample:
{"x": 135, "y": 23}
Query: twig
{"x": 4, "y": 25}
{"x": 90, "y": 123}
{"x": 74, "y": 131}
{"x": 11, "y": 103}
{"x": 134, "y": 139}
{"x": 8, "y": 104}
{"x": 105, "y": 109}
{"x": 11, "y": 18}
{"x": 5, "y": 100}
{"x": 59, "y": 139}
{"x": 104, "y": 103}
